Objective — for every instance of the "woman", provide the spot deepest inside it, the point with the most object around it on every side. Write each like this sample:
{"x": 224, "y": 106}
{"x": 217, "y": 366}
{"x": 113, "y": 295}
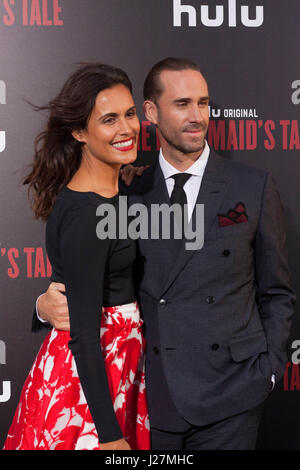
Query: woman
{"x": 81, "y": 394}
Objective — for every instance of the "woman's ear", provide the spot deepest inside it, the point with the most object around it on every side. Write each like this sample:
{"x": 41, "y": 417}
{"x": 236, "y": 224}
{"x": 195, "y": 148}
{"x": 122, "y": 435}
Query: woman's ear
{"x": 79, "y": 135}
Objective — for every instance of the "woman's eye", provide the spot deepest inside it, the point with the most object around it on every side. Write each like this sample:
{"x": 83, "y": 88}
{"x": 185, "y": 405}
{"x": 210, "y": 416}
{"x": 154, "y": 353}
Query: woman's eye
{"x": 109, "y": 121}
{"x": 131, "y": 113}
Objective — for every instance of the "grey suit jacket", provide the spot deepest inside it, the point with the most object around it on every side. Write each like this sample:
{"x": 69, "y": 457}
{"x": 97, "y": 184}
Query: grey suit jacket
{"x": 220, "y": 316}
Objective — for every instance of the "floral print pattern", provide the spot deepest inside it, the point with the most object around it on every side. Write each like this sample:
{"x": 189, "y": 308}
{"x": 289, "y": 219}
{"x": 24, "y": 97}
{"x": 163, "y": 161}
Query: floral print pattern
{"x": 53, "y": 414}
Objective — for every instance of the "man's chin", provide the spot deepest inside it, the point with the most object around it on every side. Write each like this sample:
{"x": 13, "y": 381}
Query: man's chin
{"x": 194, "y": 148}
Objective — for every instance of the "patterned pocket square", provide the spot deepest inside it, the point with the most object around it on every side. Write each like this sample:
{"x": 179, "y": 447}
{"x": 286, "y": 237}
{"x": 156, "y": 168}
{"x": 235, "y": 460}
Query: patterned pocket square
{"x": 234, "y": 216}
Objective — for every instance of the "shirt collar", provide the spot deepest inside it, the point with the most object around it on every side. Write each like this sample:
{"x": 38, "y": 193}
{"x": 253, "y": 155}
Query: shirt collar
{"x": 197, "y": 168}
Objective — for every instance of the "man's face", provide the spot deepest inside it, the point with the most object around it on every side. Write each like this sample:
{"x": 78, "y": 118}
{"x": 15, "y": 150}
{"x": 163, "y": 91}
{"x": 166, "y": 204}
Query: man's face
{"x": 181, "y": 112}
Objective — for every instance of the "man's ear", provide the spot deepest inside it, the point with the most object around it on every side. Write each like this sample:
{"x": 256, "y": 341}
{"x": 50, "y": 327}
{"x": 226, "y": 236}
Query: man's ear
{"x": 150, "y": 111}
{"x": 79, "y": 135}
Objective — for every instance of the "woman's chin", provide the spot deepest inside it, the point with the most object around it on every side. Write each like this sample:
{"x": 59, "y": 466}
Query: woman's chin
{"x": 127, "y": 159}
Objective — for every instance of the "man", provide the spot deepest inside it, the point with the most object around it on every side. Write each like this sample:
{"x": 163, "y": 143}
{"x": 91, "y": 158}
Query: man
{"x": 216, "y": 319}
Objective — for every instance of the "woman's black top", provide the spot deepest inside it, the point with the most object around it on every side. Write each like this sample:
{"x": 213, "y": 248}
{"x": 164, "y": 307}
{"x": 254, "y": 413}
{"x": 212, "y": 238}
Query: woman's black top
{"x": 96, "y": 272}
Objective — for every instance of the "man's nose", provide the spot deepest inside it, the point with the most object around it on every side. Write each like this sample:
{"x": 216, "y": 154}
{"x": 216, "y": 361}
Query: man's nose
{"x": 195, "y": 114}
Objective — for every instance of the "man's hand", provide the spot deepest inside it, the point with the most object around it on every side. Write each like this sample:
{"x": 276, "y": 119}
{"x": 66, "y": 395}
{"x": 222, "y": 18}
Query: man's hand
{"x": 129, "y": 172}
{"x": 53, "y": 307}
{"x": 121, "y": 444}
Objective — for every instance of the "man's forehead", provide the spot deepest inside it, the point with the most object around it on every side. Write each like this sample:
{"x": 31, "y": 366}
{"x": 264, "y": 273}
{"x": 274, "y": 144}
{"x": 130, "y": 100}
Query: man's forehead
{"x": 188, "y": 81}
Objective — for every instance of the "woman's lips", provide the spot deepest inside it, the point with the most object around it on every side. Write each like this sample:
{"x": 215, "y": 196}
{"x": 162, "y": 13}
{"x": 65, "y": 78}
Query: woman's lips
{"x": 124, "y": 145}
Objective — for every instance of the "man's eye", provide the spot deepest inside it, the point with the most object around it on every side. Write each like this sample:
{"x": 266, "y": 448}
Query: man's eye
{"x": 181, "y": 104}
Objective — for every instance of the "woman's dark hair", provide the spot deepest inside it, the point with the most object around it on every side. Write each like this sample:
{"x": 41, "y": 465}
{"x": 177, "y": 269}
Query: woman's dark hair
{"x": 153, "y": 86}
{"x": 57, "y": 153}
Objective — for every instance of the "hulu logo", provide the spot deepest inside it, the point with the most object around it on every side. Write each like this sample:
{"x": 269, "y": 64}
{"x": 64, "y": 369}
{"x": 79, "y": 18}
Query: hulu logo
{"x": 216, "y": 16}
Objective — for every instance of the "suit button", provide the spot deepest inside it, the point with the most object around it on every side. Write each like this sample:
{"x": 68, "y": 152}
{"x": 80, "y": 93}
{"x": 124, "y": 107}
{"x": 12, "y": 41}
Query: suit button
{"x": 162, "y": 302}
{"x": 155, "y": 350}
{"x": 215, "y": 347}
{"x": 210, "y": 299}
{"x": 226, "y": 253}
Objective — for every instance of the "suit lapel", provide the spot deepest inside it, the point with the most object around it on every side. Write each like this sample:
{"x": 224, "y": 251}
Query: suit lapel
{"x": 154, "y": 192}
{"x": 157, "y": 192}
{"x": 214, "y": 187}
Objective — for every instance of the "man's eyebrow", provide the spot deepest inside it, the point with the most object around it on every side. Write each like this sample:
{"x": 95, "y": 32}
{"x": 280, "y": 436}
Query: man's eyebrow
{"x": 188, "y": 100}
{"x": 182, "y": 100}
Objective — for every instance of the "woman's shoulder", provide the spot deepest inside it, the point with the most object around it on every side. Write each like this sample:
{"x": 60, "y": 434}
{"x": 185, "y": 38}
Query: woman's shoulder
{"x": 77, "y": 205}
{"x": 69, "y": 199}
{"x": 68, "y": 203}
{"x": 80, "y": 198}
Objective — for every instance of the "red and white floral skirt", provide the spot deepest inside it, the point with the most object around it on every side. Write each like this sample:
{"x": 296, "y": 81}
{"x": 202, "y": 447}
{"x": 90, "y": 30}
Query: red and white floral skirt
{"x": 53, "y": 414}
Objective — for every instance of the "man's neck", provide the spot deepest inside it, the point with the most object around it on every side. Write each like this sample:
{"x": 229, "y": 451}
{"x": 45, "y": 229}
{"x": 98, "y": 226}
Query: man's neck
{"x": 181, "y": 161}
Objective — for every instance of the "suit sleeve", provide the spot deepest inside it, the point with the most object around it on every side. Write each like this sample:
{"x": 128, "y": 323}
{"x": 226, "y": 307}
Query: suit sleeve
{"x": 275, "y": 296}
{"x": 37, "y": 324}
{"x": 84, "y": 257}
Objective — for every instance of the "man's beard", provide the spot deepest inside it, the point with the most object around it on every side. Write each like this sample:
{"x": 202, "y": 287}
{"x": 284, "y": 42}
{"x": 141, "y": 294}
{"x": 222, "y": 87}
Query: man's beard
{"x": 184, "y": 147}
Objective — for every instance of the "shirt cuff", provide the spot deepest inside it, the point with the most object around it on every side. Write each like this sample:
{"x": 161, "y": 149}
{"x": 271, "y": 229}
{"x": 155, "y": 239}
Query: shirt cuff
{"x": 37, "y": 312}
{"x": 273, "y": 382}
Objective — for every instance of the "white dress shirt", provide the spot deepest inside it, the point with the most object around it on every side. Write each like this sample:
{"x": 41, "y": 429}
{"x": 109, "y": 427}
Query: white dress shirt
{"x": 192, "y": 186}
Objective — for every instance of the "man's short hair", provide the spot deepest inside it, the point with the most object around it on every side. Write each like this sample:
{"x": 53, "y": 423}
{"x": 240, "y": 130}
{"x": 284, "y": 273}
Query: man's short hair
{"x": 152, "y": 86}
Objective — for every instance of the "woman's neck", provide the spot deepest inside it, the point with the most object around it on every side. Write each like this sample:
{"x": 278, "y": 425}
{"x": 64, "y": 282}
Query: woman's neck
{"x": 96, "y": 176}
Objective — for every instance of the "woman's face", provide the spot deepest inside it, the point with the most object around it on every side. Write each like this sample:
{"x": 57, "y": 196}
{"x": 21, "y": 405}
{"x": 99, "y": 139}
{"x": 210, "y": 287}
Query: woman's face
{"x": 113, "y": 128}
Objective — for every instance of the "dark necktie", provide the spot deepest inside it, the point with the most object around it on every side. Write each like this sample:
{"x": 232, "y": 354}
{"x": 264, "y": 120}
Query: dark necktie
{"x": 178, "y": 194}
